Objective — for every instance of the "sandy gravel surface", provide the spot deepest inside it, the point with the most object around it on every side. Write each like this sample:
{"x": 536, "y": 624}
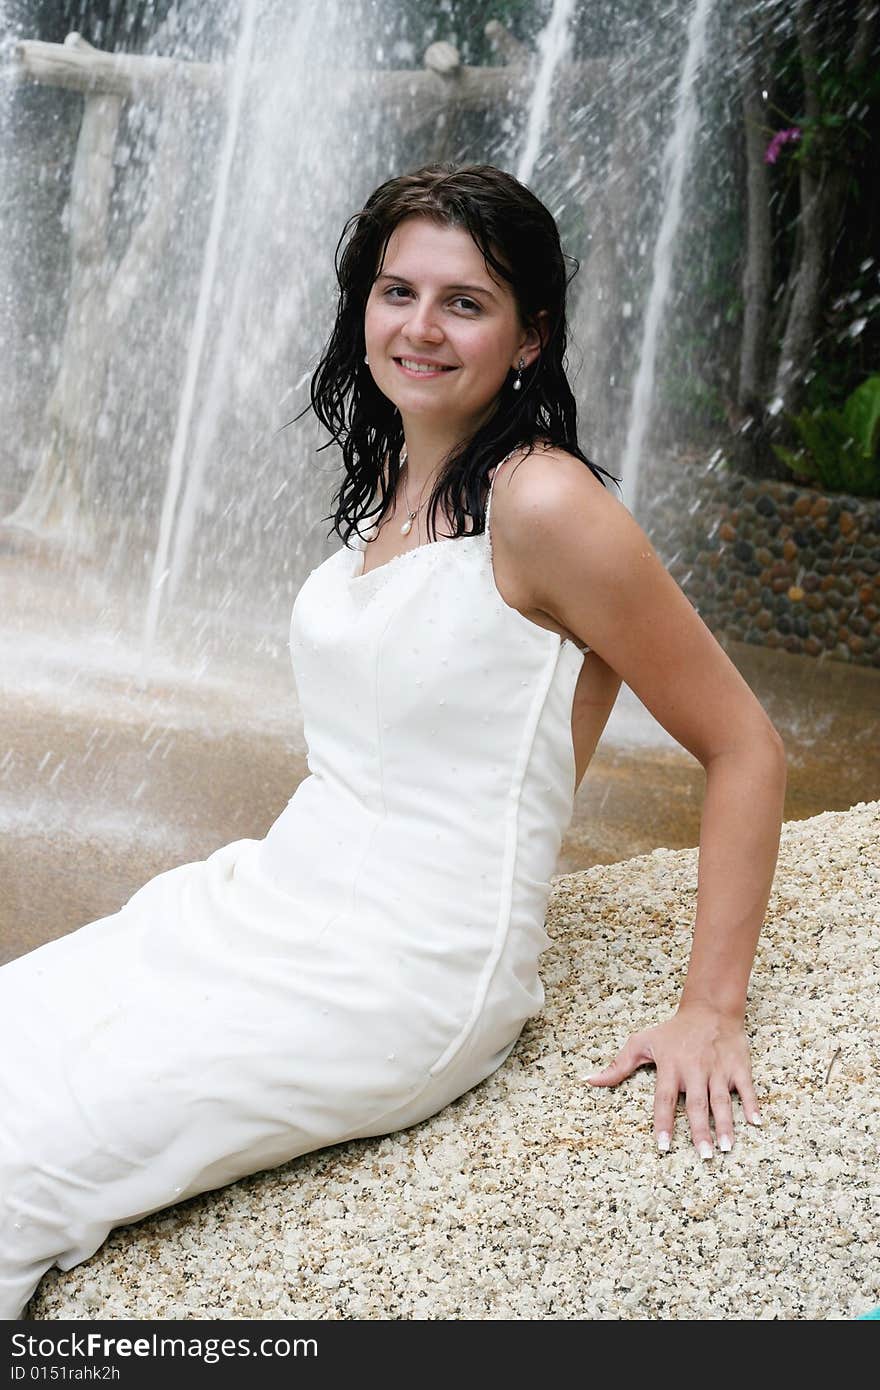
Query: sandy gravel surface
{"x": 535, "y": 1196}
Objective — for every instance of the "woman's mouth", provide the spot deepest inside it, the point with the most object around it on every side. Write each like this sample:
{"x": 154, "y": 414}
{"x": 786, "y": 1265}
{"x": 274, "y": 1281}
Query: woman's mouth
{"x": 423, "y": 370}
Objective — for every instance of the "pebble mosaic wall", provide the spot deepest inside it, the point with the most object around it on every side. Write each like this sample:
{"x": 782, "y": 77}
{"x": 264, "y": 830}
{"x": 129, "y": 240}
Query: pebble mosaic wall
{"x": 776, "y": 564}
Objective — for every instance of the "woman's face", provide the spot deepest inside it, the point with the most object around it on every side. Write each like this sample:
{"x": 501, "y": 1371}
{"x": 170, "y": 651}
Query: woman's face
{"x": 435, "y": 301}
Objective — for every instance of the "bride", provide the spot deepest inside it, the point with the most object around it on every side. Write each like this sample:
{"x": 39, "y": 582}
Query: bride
{"x": 376, "y": 954}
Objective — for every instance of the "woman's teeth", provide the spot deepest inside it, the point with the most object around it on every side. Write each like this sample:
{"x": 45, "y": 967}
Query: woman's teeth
{"x": 422, "y": 366}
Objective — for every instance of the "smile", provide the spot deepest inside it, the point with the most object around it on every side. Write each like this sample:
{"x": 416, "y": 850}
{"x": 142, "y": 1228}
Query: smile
{"x": 423, "y": 369}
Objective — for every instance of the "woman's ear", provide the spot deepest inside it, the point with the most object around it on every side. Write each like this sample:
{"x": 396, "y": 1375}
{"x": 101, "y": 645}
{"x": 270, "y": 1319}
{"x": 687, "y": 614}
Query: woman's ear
{"x": 538, "y": 333}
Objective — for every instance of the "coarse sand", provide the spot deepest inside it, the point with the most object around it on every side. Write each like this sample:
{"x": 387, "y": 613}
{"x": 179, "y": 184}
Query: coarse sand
{"x": 537, "y": 1196}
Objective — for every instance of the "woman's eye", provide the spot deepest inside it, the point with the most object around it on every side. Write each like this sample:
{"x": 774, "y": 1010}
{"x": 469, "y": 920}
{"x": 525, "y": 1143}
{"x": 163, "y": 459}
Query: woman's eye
{"x": 469, "y": 304}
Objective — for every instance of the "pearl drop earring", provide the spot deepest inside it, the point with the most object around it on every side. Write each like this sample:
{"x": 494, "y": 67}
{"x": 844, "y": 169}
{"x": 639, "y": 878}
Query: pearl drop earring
{"x": 366, "y": 359}
{"x": 519, "y": 369}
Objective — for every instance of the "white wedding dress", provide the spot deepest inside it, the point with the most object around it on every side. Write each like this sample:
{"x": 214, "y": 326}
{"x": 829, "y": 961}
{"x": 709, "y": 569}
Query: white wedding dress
{"x": 373, "y": 957}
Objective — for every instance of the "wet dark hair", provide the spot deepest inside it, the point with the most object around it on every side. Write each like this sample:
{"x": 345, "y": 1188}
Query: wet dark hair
{"x": 519, "y": 239}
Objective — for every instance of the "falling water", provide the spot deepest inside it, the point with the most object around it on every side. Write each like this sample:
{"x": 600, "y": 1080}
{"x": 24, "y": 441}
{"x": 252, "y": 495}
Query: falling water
{"x": 221, "y": 370}
{"x": 240, "y": 65}
{"x": 92, "y": 769}
{"x": 676, "y": 157}
{"x": 552, "y": 44}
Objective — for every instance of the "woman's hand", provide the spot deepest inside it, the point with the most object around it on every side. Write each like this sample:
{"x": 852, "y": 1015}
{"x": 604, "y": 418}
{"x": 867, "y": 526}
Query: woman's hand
{"x": 702, "y": 1052}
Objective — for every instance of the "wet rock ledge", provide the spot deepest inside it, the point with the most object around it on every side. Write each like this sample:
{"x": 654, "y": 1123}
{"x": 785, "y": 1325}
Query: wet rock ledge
{"x": 534, "y": 1196}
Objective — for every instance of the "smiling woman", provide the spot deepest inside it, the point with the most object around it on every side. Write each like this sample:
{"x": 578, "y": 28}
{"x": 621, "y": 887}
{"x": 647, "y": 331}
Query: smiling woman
{"x": 459, "y": 272}
{"x": 432, "y": 318}
{"x": 376, "y": 954}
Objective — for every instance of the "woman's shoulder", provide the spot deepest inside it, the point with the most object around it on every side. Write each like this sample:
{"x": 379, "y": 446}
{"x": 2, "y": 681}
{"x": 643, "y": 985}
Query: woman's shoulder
{"x": 559, "y": 530}
{"x": 545, "y": 480}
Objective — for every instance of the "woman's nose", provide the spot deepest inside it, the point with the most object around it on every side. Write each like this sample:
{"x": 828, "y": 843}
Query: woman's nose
{"x": 422, "y": 325}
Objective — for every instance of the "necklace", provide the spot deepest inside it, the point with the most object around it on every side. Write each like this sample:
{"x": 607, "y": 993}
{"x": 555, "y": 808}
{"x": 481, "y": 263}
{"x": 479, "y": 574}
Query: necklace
{"x": 411, "y": 516}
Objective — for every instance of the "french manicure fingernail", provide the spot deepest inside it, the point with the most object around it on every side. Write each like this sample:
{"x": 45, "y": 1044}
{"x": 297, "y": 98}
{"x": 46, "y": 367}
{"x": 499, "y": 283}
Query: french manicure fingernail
{"x": 706, "y": 1149}
{"x": 663, "y": 1141}
{"x": 724, "y": 1144}
{"x": 755, "y": 1119}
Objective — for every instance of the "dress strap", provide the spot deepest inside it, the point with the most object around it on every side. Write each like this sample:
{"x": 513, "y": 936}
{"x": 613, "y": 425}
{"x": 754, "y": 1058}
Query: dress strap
{"x": 497, "y": 469}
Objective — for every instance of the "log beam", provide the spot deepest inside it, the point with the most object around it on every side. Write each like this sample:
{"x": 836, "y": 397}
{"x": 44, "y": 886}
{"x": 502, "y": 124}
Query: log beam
{"x": 512, "y": 50}
{"x": 420, "y": 95}
{"x": 78, "y": 66}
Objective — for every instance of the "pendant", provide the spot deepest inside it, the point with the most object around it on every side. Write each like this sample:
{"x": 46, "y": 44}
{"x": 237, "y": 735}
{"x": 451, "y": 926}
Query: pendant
{"x": 406, "y": 527}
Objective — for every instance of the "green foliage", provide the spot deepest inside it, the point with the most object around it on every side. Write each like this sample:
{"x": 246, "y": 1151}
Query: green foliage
{"x": 837, "y": 144}
{"x": 844, "y": 96}
{"x": 688, "y": 397}
{"x": 862, "y": 416}
{"x": 840, "y": 448}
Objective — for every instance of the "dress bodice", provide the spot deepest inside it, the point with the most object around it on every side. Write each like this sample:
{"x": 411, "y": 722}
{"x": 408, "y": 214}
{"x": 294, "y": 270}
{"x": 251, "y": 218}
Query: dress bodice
{"x": 435, "y": 716}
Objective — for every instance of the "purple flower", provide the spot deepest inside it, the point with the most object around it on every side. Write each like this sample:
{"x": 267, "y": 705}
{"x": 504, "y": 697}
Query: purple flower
{"x": 782, "y": 137}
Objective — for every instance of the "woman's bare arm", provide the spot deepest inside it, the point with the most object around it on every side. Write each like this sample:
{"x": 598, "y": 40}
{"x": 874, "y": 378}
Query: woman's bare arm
{"x": 583, "y": 559}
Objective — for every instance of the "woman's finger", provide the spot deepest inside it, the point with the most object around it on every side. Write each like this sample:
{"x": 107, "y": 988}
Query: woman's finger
{"x": 744, "y": 1087}
{"x": 633, "y": 1054}
{"x": 665, "y": 1100}
{"x": 722, "y": 1111}
{"x": 697, "y": 1103}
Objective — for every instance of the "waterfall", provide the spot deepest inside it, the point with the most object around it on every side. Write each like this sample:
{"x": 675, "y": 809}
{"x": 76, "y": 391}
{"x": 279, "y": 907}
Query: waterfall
{"x": 201, "y": 474}
{"x": 553, "y": 41}
{"x": 676, "y": 157}
{"x": 238, "y": 78}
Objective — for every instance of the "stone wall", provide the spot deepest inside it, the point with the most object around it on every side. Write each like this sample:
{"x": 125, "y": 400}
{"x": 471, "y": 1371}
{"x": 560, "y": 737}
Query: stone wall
{"x": 775, "y": 564}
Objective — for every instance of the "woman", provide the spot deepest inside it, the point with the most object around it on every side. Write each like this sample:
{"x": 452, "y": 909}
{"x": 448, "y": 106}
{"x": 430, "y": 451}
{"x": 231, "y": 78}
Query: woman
{"x": 376, "y": 954}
